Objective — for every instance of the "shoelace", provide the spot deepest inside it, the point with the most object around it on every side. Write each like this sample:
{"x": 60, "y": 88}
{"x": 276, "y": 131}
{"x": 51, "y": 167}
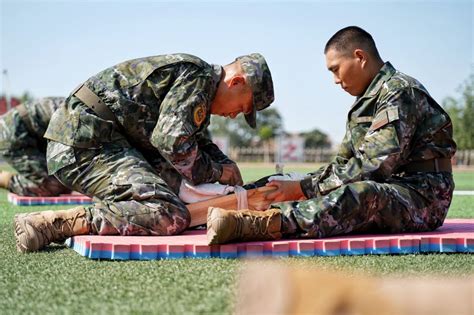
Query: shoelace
{"x": 56, "y": 230}
{"x": 45, "y": 230}
{"x": 257, "y": 225}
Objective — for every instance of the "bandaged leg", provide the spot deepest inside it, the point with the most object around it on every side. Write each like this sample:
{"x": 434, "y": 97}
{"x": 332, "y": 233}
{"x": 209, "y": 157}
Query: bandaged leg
{"x": 255, "y": 198}
{"x": 249, "y": 197}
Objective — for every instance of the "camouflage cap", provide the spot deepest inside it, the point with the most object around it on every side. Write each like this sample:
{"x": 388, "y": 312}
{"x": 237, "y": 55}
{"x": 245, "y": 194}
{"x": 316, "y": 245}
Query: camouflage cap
{"x": 260, "y": 80}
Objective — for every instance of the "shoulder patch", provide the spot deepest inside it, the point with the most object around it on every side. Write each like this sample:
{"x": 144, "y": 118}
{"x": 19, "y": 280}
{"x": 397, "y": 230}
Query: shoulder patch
{"x": 384, "y": 117}
{"x": 199, "y": 114}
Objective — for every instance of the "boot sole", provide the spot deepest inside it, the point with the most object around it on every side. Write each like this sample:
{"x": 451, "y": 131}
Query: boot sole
{"x": 213, "y": 236}
{"x": 20, "y": 233}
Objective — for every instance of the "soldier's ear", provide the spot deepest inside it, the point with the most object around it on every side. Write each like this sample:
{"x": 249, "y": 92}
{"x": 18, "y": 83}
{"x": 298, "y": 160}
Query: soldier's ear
{"x": 361, "y": 56}
{"x": 237, "y": 80}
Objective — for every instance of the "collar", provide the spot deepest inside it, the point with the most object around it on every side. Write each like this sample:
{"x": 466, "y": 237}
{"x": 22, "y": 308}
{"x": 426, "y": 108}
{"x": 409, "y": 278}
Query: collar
{"x": 216, "y": 75}
{"x": 384, "y": 74}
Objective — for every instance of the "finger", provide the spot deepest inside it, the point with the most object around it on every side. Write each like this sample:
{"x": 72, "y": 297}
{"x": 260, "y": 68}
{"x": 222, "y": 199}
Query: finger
{"x": 273, "y": 184}
{"x": 273, "y": 195}
{"x": 238, "y": 179}
{"x": 262, "y": 206}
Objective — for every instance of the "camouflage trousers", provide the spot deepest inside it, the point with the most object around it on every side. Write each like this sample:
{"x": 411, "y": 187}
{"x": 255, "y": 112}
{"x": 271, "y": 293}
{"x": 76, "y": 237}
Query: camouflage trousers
{"x": 26, "y": 153}
{"x": 130, "y": 195}
{"x": 369, "y": 206}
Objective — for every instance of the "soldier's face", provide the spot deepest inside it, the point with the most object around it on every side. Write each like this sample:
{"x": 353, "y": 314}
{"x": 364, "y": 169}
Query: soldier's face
{"x": 232, "y": 108}
{"x": 232, "y": 98}
{"x": 348, "y": 71}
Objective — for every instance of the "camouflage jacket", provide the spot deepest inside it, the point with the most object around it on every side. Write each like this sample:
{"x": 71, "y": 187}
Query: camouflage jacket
{"x": 162, "y": 106}
{"x": 15, "y": 126}
{"x": 393, "y": 123}
{"x": 40, "y": 112}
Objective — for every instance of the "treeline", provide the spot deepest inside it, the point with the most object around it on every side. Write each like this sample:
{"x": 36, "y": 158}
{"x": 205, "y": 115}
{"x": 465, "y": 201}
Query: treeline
{"x": 461, "y": 111}
{"x": 269, "y": 126}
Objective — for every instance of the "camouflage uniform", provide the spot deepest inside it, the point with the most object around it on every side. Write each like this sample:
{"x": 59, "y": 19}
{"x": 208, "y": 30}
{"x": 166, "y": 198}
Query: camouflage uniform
{"x": 134, "y": 165}
{"x": 23, "y": 147}
{"x": 365, "y": 187}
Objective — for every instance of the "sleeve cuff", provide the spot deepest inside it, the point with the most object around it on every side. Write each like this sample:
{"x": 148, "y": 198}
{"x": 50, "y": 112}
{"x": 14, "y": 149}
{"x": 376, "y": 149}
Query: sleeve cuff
{"x": 216, "y": 171}
{"x": 307, "y": 187}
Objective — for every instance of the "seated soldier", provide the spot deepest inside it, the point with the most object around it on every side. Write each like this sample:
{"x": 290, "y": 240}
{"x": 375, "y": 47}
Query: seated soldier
{"x": 23, "y": 147}
{"x": 130, "y": 133}
{"x": 392, "y": 173}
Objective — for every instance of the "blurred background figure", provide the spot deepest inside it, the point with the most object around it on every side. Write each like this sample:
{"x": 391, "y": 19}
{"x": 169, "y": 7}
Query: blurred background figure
{"x": 23, "y": 147}
{"x": 266, "y": 287}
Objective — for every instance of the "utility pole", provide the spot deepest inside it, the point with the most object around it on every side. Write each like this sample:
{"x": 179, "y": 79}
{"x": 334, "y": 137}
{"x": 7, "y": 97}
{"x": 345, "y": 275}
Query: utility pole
{"x": 278, "y": 163}
{"x": 6, "y": 88}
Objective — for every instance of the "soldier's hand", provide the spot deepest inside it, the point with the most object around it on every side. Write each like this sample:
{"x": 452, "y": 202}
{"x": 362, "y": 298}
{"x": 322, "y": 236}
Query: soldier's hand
{"x": 286, "y": 191}
{"x": 231, "y": 175}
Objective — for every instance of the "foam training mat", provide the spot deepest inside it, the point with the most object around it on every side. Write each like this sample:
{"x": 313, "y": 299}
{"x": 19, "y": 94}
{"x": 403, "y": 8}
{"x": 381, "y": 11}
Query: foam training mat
{"x": 73, "y": 199}
{"x": 455, "y": 236}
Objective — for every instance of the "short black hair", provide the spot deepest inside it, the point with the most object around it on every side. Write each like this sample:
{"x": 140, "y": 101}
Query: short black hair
{"x": 350, "y": 38}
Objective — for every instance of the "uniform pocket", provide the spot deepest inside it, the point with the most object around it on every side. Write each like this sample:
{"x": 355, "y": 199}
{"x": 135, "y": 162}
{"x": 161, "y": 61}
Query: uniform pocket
{"x": 92, "y": 131}
{"x": 59, "y": 156}
{"x": 382, "y": 142}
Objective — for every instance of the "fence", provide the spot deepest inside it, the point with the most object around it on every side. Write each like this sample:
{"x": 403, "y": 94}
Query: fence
{"x": 464, "y": 157}
{"x": 267, "y": 155}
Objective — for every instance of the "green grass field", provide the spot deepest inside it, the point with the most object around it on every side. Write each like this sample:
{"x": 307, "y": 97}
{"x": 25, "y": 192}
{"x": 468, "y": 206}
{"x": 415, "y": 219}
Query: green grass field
{"x": 60, "y": 281}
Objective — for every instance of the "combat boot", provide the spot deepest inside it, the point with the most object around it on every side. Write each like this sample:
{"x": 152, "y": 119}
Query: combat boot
{"x": 224, "y": 226}
{"x": 33, "y": 231}
{"x": 5, "y": 178}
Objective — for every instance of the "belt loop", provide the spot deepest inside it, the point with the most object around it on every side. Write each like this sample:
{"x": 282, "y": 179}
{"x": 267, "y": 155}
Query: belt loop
{"x": 76, "y": 89}
{"x": 91, "y": 100}
{"x": 436, "y": 164}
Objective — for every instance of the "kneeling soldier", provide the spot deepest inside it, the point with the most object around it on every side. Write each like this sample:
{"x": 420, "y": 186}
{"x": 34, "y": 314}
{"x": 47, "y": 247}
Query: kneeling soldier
{"x": 130, "y": 133}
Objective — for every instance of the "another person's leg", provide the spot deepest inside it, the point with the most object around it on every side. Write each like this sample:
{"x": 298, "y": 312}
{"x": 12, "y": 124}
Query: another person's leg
{"x": 359, "y": 207}
{"x": 32, "y": 178}
{"x": 130, "y": 197}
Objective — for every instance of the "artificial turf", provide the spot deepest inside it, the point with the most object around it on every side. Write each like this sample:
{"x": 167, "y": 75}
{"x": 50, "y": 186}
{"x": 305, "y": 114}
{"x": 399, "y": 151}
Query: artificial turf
{"x": 464, "y": 179}
{"x": 60, "y": 281}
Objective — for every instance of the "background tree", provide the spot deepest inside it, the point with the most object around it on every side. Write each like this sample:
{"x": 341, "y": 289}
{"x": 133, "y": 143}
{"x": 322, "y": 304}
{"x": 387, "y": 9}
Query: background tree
{"x": 316, "y": 139}
{"x": 461, "y": 111}
{"x": 269, "y": 123}
{"x": 26, "y": 96}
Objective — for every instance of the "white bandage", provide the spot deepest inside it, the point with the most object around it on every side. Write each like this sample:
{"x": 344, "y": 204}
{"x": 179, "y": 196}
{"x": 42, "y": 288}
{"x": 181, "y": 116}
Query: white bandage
{"x": 189, "y": 193}
{"x": 241, "y": 194}
{"x": 288, "y": 177}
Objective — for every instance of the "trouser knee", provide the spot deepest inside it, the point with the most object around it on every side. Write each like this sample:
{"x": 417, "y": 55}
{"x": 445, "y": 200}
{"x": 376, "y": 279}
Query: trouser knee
{"x": 150, "y": 217}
